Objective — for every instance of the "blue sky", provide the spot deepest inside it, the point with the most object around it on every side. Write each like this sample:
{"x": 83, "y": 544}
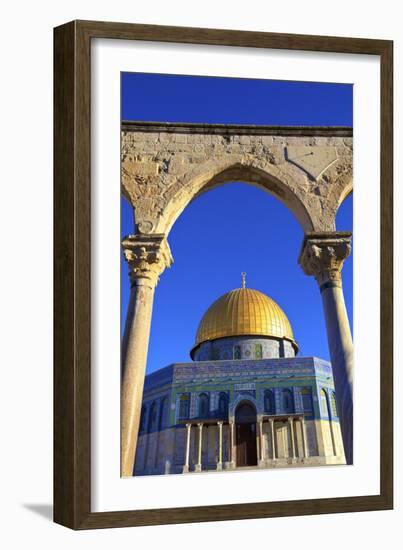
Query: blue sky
{"x": 209, "y": 241}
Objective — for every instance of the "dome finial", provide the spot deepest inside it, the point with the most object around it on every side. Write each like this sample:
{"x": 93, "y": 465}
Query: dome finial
{"x": 243, "y": 274}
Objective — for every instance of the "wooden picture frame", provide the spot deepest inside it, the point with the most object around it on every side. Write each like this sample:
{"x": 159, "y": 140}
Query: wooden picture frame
{"x": 72, "y": 272}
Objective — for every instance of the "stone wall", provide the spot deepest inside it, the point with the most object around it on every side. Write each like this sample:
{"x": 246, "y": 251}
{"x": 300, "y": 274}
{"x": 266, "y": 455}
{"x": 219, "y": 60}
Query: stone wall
{"x": 162, "y": 451}
{"x": 165, "y": 166}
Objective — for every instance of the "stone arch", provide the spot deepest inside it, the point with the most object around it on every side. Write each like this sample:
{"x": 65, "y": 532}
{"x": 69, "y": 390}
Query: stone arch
{"x": 345, "y": 192}
{"x": 184, "y": 406}
{"x": 245, "y": 436}
{"x": 165, "y": 166}
{"x": 324, "y": 403}
{"x": 269, "y": 401}
{"x": 340, "y": 190}
{"x": 203, "y": 404}
{"x": 287, "y": 401}
{"x": 286, "y": 184}
{"x": 241, "y": 399}
{"x": 333, "y": 405}
{"x": 307, "y": 400}
{"x": 246, "y": 404}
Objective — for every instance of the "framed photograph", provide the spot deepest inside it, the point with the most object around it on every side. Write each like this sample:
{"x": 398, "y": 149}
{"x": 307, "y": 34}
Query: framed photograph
{"x": 206, "y": 303}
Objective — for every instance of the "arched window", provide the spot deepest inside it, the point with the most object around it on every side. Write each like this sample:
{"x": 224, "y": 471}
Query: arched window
{"x": 237, "y": 352}
{"x": 307, "y": 403}
{"x": 184, "y": 406}
{"x": 333, "y": 405}
{"x": 287, "y": 401}
{"x": 152, "y": 420}
{"x": 258, "y": 351}
{"x": 143, "y": 418}
{"x": 223, "y": 404}
{"x": 163, "y": 420}
{"x": 204, "y": 405}
{"x": 324, "y": 403}
{"x": 269, "y": 402}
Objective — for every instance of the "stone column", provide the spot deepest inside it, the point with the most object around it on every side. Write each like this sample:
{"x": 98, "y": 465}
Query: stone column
{"x": 257, "y": 439}
{"x": 262, "y": 450}
{"x": 219, "y": 463}
{"x": 147, "y": 256}
{"x": 186, "y": 465}
{"x": 233, "y": 447}
{"x": 323, "y": 255}
{"x": 198, "y": 466}
{"x": 273, "y": 441}
{"x": 291, "y": 424}
{"x": 304, "y": 441}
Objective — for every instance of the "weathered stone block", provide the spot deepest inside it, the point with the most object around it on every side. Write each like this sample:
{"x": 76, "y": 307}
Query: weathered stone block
{"x": 314, "y": 206}
{"x": 141, "y": 168}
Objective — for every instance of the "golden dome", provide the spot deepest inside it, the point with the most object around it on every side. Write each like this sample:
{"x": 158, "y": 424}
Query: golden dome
{"x": 242, "y": 312}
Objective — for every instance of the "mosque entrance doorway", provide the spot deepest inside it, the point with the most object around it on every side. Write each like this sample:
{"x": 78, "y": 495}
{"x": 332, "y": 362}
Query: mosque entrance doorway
{"x": 245, "y": 420}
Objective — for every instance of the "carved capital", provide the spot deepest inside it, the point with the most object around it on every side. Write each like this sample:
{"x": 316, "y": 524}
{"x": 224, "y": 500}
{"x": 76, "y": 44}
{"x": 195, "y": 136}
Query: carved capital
{"x": 147, "y": 256}
{"x": 323, "y": 255}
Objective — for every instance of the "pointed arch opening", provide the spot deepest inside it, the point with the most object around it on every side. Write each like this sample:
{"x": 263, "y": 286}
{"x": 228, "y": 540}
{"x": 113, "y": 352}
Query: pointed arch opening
{"x": 246, "y": 444}
{"x": 213, "y": 174}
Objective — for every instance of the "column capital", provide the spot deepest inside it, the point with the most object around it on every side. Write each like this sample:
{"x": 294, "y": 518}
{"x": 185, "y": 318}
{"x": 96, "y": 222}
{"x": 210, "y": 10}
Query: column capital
{"x": 220, "y": 422}
{"x": 323, "y": 254}
{"x": 200, "y": 425}
{"x": 148, "y": 256}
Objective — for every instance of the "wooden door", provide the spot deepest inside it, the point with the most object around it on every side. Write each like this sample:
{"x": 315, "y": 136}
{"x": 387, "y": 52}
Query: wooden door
{"x": 246, "y": 445}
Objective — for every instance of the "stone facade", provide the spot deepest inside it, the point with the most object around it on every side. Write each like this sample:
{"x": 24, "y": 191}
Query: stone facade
{"x": 308, "y": 380}
{"x": 164, "y": 166}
